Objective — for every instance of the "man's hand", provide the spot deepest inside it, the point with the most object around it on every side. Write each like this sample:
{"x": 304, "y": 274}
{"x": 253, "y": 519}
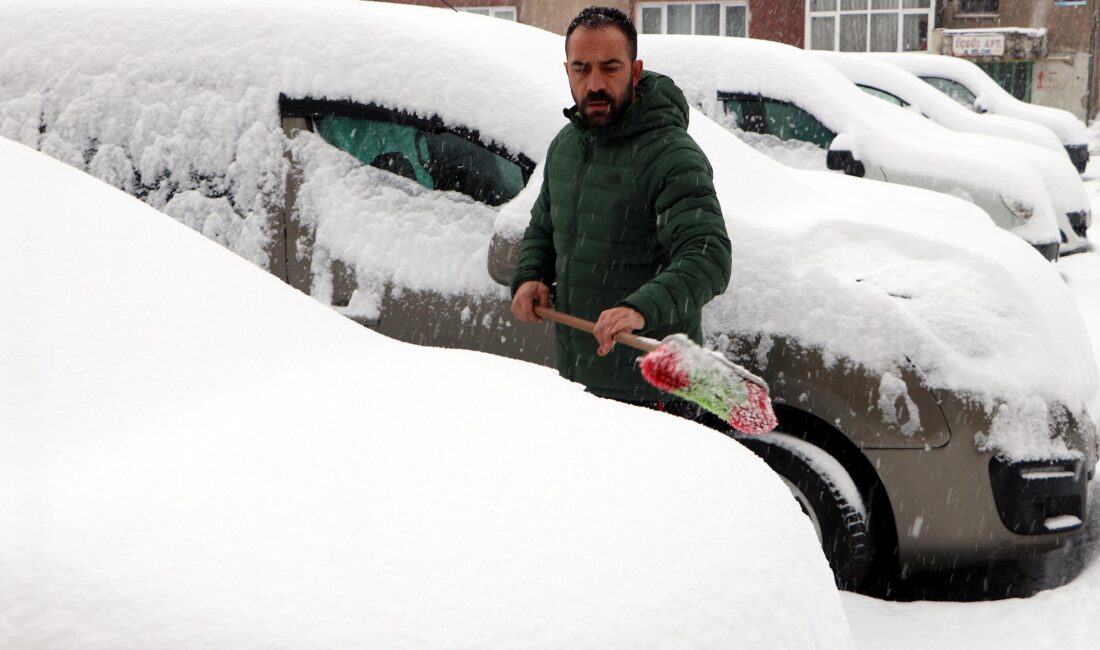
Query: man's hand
{"x": 612, "y": 322}
{"x": 528, "y": 295}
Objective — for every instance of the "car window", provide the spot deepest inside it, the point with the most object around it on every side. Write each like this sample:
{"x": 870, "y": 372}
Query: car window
{"x": 423, "y": 150}
{"x": 882, "y": 94}
{"x": 748, "y": 112}
{"x": 789, "y": 122}
{"x": 954, "y": 90}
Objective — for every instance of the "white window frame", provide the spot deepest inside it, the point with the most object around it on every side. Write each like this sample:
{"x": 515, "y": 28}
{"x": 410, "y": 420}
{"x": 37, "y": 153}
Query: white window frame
{"x": 836, "y": 13}
{"x": 723, "y": 7}
{"x": 492, "y": 11}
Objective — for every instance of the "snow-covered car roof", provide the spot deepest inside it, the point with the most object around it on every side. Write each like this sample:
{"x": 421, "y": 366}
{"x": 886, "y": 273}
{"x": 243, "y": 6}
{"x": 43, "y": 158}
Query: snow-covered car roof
{"x": 992, "y": 97}
{"x": 178, "y": 104}
{"x": 194, "y": 454}
{"x": 878, "y": 74}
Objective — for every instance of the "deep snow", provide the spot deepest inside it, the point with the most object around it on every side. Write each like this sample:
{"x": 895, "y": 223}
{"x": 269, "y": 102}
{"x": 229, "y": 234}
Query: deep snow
{"x": 195, "y": 455}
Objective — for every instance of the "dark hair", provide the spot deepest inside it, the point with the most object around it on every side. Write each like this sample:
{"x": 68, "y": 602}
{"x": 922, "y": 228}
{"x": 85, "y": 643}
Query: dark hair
{"x": 594, "y": 17}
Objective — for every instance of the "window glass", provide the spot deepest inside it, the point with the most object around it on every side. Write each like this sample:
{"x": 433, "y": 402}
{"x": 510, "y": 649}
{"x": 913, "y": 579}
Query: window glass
{"x": 884, "y": 32}
{"x": 914, "y": 35}
{"x": 821, "y": 33}
{"x": 651, "y": 20}
{"x": 953, "y": 89}
{"x": 439, "y": 161}
{"x": 884, "y": 4}
{"x": 853, "y": 32}
{"x": 915, "y": 4}
{"x": 679, "y": 19}
{"x": 822, "y": 5}
{"x": 706, "y": 19}
{"x": 506, "y": 14}
{"x": 979, "y": 6}
{"x": 882, "y": 94}
{"x": 850, "y": 5}
{"x": 790, "y": 122}
{"x": 749, "y": 114}
{"x": 737, "y": 20}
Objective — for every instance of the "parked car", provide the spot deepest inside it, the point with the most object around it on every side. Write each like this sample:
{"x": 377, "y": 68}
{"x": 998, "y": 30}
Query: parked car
{"x": 197, "y": 456}
{"x": 923, "y": 362}
{"x": 967, "y": 84}
{"x": 782, "y": 91}
{"x": 898, "y": 86}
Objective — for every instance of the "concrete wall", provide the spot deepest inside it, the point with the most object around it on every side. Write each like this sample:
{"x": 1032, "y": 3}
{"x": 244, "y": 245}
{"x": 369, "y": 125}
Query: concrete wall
{"x": 1062, "y": 82}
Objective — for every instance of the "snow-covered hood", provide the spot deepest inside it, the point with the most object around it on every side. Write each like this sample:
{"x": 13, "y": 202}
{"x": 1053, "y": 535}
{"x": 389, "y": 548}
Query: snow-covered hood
{"x": 925, "y": 99}
{"x": 195, "y": 455}
{"x": 873, "y": 129}
{"x": 990, "y": 95}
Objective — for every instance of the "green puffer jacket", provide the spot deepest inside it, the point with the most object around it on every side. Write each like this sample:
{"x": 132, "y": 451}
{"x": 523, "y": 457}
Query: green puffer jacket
{"x": 627, "y": 215}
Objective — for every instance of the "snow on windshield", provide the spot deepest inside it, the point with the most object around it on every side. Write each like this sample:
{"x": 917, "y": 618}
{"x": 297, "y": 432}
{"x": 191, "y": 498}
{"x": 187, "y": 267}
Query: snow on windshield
{"x": 193, "y": 454}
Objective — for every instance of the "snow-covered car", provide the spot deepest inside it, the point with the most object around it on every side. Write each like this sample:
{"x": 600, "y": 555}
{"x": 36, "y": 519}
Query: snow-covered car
{"x": 898, "y": 86}
{"x": 783, "y": 92}
{"x": 923, "y": 362}
{"x": 192, "y": 455}
{"x": 967, "y": 84}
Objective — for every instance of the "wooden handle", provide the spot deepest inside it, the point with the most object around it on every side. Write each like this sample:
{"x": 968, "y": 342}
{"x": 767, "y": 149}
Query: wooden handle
{"x": 633, "y": 340}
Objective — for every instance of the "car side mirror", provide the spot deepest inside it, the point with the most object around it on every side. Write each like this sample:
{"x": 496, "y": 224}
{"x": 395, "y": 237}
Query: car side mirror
{"x": 503, "y": 251}
{"x": 979, "y": 106}
{"x": 843, "y": 160}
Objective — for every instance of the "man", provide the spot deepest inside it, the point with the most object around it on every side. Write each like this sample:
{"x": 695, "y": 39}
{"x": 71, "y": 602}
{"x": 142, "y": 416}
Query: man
{"x": 627, "y": 223}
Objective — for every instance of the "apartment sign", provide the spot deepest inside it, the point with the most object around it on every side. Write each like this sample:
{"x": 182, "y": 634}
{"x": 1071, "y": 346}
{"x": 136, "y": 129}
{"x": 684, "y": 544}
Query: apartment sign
{"x": 978, "y": 45}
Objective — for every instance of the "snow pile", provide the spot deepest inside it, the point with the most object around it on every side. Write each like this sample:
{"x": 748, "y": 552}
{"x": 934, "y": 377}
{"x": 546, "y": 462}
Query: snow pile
{"x": 192, "y": 454}
{"x": 894, "y": 144}
{"x": 989, "y": 94}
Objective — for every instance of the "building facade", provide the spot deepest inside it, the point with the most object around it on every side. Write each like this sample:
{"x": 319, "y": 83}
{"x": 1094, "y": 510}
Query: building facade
{"x": 1042, "y": 51}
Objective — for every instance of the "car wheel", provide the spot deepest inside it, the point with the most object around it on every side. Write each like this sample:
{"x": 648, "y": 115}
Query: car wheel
{"x": 828, "y": 496}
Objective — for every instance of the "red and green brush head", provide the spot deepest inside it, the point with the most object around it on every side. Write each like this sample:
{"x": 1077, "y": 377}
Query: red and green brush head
{"x": 707, "y": 378}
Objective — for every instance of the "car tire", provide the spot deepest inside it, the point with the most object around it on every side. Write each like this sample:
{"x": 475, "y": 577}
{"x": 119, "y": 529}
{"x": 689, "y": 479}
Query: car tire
{"x": 828, "y": 496}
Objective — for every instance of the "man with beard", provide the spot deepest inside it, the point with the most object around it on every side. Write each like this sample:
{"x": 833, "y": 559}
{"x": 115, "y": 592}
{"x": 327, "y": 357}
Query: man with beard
{"x": 627, "y": 224}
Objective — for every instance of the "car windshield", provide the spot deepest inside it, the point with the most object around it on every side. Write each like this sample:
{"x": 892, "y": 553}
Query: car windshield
{"x": 882, "y": 94}
{"x": 954, "y": 90}
{"x": 438, "y": 161}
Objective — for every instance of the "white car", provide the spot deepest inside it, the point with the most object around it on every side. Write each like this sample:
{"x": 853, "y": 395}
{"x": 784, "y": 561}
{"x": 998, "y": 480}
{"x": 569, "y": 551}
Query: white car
{"x": 967, "y": 84}
{"x": 385, "y": 158}
{"x": 777, "y": 90}
{"x": 195, "y": 455}
{"x": 902, "y": 88}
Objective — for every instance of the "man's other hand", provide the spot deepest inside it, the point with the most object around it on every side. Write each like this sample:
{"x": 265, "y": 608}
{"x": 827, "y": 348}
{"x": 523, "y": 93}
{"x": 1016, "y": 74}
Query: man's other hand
{"x": 528, "y": 295}
{"x": 615, "y": 321}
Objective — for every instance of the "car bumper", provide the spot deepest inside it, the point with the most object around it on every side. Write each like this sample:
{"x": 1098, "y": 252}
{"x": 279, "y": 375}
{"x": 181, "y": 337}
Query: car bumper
{"x": 1079, "y": 155}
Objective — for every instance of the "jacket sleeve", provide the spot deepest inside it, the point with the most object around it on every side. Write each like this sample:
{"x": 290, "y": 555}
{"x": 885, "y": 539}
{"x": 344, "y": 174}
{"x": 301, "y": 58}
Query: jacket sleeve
{"x": 691, "y": 228}
{"x": 536, "y": 250}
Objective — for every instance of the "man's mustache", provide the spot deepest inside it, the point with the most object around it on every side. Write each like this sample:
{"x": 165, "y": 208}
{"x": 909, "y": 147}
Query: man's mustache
{"x": 598, "y": 96}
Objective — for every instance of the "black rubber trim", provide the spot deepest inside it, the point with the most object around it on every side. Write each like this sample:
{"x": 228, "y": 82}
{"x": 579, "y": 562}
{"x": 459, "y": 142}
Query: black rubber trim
{"x": 1025, "y": 504}
{"x": 1079, "y": 155}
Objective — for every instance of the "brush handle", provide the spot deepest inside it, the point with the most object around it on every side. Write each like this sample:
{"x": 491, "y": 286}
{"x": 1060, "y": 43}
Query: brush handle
{"x": 633, "y": 340}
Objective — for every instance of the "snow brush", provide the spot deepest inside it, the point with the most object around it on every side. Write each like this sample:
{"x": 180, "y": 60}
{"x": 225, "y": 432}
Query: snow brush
{"x": 679, "y": 366}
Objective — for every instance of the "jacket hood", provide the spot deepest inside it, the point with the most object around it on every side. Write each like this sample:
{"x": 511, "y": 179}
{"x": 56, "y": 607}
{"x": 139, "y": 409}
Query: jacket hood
{"x": 658, "y": 102}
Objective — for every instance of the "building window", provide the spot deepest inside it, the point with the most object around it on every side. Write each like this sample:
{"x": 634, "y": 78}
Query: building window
{"x": 507, "y": 13}
{"x": 868, "y": 25}
{"x": 706, "y": 18}
{"x": 979, "y": 6}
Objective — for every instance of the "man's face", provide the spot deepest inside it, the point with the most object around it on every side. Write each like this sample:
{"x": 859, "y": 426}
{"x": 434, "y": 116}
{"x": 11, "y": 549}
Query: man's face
{"x": 601, "y": 75}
